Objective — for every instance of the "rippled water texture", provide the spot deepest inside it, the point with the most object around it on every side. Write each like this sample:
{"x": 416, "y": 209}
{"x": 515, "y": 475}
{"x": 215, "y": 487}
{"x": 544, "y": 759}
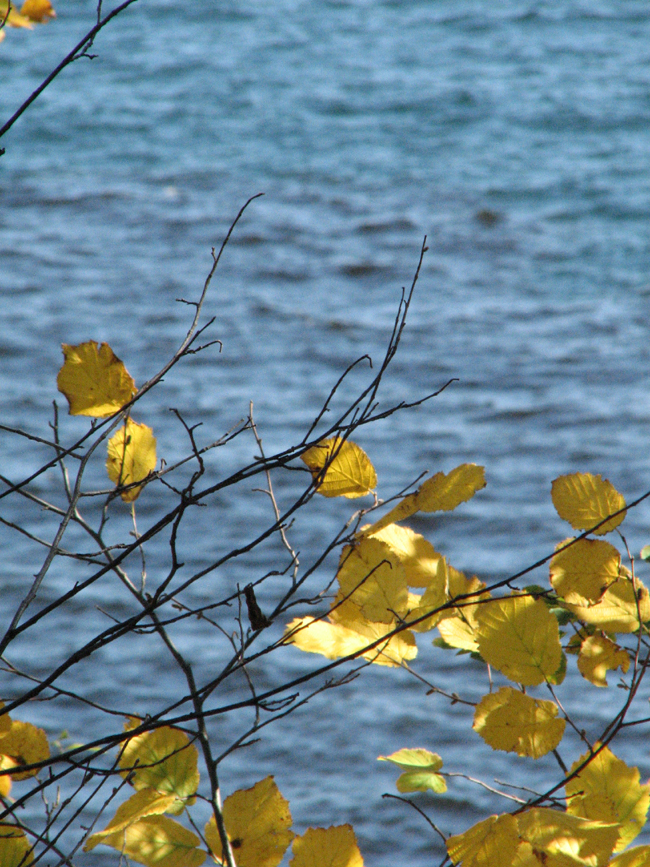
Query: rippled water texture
{"x": 514, "y": 135}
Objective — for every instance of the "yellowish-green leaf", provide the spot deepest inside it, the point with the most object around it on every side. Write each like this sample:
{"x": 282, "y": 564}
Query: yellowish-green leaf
{"x": 15, "y": 850}
{"x": 334, "y": 640}
{"x": 617, "y": 610}
{"x": 327, "y": 847}
{"x": 432, "y": 599}
{"x": 584, "y": 500}
{"x": 146, "y": 802}
{"x": 568, "y": 840}
{"x": 373, "y": 579}
{"x": 638, "y": 856}
{"x": 489, "y": 843}
{"x": 165, "y": 760}
{"x": 420, "y": 768}
{"x": 608, "y": 790}
{"x": 511, "y": 721}
{"x": 582, "y": 572}
{"x": 38, "y": 11}
{"x": 158, "y": 841}
{"x": 94, "y": 380}
{"x": 258, "y": 823}
{"x": 598, "y": 654}
{"x": 25, "y": 745}
{"x": 519, "y": 636}
{"x": 343, "y": 468}
{"x": 131, "y": 457}
{"x": 418, "y": 557}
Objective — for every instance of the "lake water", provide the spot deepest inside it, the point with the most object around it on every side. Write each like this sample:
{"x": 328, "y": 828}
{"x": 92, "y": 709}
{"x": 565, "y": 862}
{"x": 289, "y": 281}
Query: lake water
{"x": 516, "y": 137}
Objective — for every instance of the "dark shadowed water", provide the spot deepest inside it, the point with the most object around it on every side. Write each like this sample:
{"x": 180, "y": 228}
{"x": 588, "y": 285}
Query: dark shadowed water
{"x": 515, "y": 136}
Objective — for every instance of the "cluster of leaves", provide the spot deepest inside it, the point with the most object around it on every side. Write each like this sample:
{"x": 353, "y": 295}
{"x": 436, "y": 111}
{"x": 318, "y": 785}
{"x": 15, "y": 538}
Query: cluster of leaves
{"x": 31, "y": 12}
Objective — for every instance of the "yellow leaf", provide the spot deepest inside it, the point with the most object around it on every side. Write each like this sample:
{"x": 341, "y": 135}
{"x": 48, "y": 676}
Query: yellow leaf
{"x": 492, "y": 842}
{"x": 584, "y": 500}
{"x": 511, "y": 721}
{"x": 526, "y": 857}
{"x": 146, "y": 802}
{"x": 582, "y": 572}
{"x": 418, "y": 557}
{"x": 162, "y": 759}
{"x": 158, "y": 841}
{"x": 131, "y": 457}
{"x": 39, "y": 11}
{"x": 327, "y": 847}
{"x": 569, "y": 840}
{"x": 258, "y": 823}
{"x": 6, "y": 764}
{"x": 15, "y": 851}
{"x": 26, "y": 745}
{"x": 608, "y": 790}
{"x": 420, "y": 768}
{"x": 343, "y": 468}
{"x": 334, "y": 640}
{"x": 5, "y": 722}
{"x": 638, "y": 856}
{"x": 14, "y": 19}
{"x": 94, "y": 380}
{"x": 459, "y": 625}
{"x": 617, "y": 610}
{"x": 372, "y": 578}
{"x": 519, "y": 636}
{"x": 598, "y": 654}
{"x": 433, "y": 597}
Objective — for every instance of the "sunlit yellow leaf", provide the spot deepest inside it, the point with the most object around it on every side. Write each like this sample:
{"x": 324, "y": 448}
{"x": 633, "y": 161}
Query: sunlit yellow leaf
{"x": 162, "y": 759}
{"x": 146, "y": 802}
{"x": 519, "y": 636}
{"x": 327, "y": 847}
{"x": 39, "y": 11}
{"x": 158, "y": 841}
{"x": 638, "y": 856}
{"x": 598, "y": 654}
{"x": 526, "y": 857}
{"x": 584, "y": 500}
{"x": 14, "y": 19}
{"x": 25, "y": 744}
{"x": 582, "y": 572}
{"x": 433, "y": 597}
{"x": 569, "y": 840}
{"x": 418, "y": 557}
{"x": 258, "y": 823}
{"x": 372, "y": 577}
{"x": 492, "y": 842}
{"x": 617, "y": 610}
{"x": 419, "y": 768}
{"x": 131, "y": 457}
{"x": 459, "y": 626}
{"x": 349, "y": 472}
{"x": 608, "y": 790}
{"x": 511, "y": 721}
{"x": 94, "y": 380}
{"x": 334, "y": 640}
{"x": 15, "y": 851}
{"x": 6, "y": 764}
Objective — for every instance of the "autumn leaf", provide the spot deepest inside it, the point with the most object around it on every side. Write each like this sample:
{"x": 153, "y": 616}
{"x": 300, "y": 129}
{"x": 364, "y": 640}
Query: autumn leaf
{"x": 598, "y": 654}
{"x": 39, "y": 11}
{"x": 638, "y": 856}
{"x": 418, "y": 556}
{"x": 608, "y": 790}
{"x": 486, "y": 844}
{"x": 146, "y": 802}
{"x": 94, "y": 380}
{"x": 334, "y": 640}
{"x": 164, "y": 760}
{"x": 14, "y": 18}
{"x": 582, "y": 572}
{"x": 258, "y": 823}
{"x": 516, "y": 723}
{"x": 584, "y": 500}
{"x": 619, "y": 607}
{"x": 372, "y": 578}
{"x": 432, "y": 599}
{"x": 519, "y": 636}
{"x": 327, "y": 847}
{"x": 419, "y": 768}
{"x": 158, "y": 841}
{"x": 25, "y": 745}
{"x": 131, "y": 457}
{"x": 341, "y": 468}
{"x": 15, "y": 850}
{"x": 569, "y": 839}
{"x": 459, "y": 625}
